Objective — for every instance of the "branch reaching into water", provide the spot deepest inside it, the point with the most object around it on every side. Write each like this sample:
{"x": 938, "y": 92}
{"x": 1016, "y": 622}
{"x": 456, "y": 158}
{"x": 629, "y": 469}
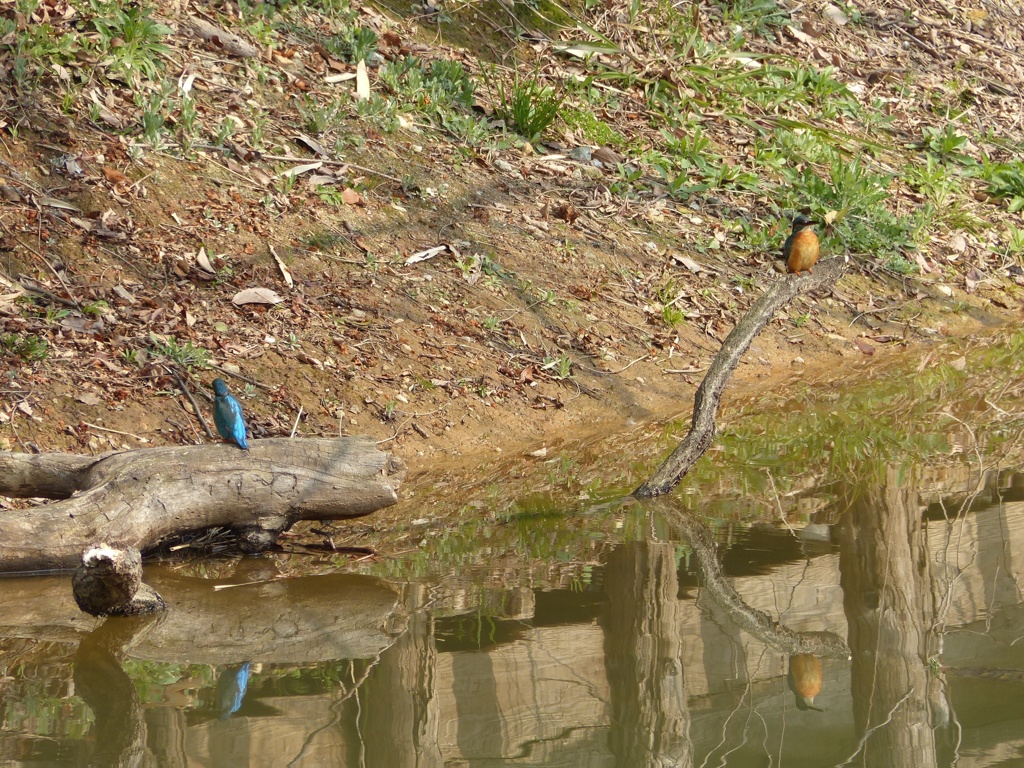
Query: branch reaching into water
{"x": 709, "y": 394}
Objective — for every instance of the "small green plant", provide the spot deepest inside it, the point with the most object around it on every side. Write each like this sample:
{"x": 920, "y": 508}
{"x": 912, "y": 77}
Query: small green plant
{"x": 286, "y": 183}
{"x": 799, "y": 321}
{"x": 95, "y": 308}
{"x": 762, "y": 17}
{"x": 342, "y": 10}
{"x": 668, "y": 295}
{"x": 54, "y": 315}
{"x": 153, "y": 121}
{"x": 292, "y": 342}
{"x": 263, "y": 32}
{"x": 131, "y": 37}
{"x": 898, "y": 263}
{"x": 946, "y": 142}
{"x": 745, "y": 282}
{"x": 1006, "y": 180}
{"x": 470, "y": 130}
{"x": 259, "y": 121}
{"x": 36, "y": 46}
{"x": 687, "y": 145}
{"x": 594, "y": 130}
{"x": 559, "y": 368}
{"x": 225, "y": 130}
{"x": 525, "y": 103}
{"x": 357, "y": 44}
{"x": 29, "y": 348}
{"x": 380, "y": 112}
{"x": 672, "y": 315}
{"x": 185, "y": 355}
{"x": 331, "y": 195}
{"x": 491, "y": 323}
{"x": 449, "y": 82}
{"x": 187, "y": 122}
{"x": 318, "y": 117}
{"x": 1014, "y": 240}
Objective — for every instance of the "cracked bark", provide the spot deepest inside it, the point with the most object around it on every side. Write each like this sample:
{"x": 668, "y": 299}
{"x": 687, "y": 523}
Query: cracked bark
{"x": 140, "y": 498}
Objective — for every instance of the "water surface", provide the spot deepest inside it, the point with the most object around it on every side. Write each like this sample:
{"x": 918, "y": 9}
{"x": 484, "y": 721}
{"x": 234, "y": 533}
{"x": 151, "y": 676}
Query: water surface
{"x": 867, "y": 612}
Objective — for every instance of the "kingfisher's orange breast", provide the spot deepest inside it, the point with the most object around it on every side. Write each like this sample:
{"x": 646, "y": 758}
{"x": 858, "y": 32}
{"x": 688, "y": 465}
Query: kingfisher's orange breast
{"x": 805, "y": 675}
{"x": 803, "y": 251}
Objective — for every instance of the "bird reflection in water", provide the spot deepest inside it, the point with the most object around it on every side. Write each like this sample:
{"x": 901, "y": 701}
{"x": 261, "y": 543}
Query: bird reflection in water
{"x": 804, "y": 679}
{"x": 231, "y": 687}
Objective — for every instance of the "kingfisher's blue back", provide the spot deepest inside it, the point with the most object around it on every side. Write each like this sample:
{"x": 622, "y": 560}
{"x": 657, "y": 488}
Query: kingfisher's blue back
{"x": 231, "y": 687}
{"x": 227, "y": 415}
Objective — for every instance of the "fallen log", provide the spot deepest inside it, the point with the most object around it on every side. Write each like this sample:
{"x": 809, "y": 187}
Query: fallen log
{"x": 709, "y": 393}
{"x": 143, "y": 497}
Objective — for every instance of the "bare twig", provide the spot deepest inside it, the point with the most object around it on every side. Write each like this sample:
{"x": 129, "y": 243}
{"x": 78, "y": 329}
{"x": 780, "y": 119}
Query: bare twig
{"x": 328, "y": 161}
{"x": 246, "y": 379}
{"x": 195, "y": 406}
{"x": 115, "y": 431}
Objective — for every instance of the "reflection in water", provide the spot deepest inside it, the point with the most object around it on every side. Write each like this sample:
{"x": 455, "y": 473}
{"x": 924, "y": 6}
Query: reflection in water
{"x": 890, "y": 608}
{"x": 119, "y": 731}
{"x": 231, "y": 687}
{"x": 643, "y": 654}
{"x": 399, "y": 701}
{"x": 637, "y": 657}
{"x": 804, "y": 679}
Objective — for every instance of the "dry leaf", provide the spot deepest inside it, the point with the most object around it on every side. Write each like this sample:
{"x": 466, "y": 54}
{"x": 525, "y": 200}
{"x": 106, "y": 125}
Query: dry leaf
{"x": 429, "y": 253}
{"x": 300, "y": 169}
{"x": 285, "y": 272}
{"x": 689, "y": 263}
{"x": 185, "y": 82}
{"x": 800, "y": 36}
{"x": 52, "y": 202}
{"x": 835, "y": 16}
{"x": 315, "y": 146}
{"x": 607, "y": 156}
{"x": 864, "y": 347}
{"x": 256, "y": 296}
{"x": 339, "y": 78}
{"x": 958, "y": 245}
{"x": 203, "y": 261}
{"x": 351, "y": 197}
{"x": 114, "y": 176}
{"x": 303, "y": 357}
{"x": 362, "y": 82}
{"x": 567, "y": 212}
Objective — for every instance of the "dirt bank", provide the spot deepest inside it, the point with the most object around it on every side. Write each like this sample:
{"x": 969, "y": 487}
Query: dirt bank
{"x": 561, "y": 300}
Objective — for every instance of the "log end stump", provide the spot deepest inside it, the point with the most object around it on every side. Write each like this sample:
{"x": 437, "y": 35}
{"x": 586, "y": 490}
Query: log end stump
{"x": 109, "y": 583}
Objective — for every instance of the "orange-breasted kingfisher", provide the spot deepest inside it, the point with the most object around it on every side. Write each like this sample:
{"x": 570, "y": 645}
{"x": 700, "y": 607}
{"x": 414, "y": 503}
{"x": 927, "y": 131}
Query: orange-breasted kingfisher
{"x": 801, "y": 248}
